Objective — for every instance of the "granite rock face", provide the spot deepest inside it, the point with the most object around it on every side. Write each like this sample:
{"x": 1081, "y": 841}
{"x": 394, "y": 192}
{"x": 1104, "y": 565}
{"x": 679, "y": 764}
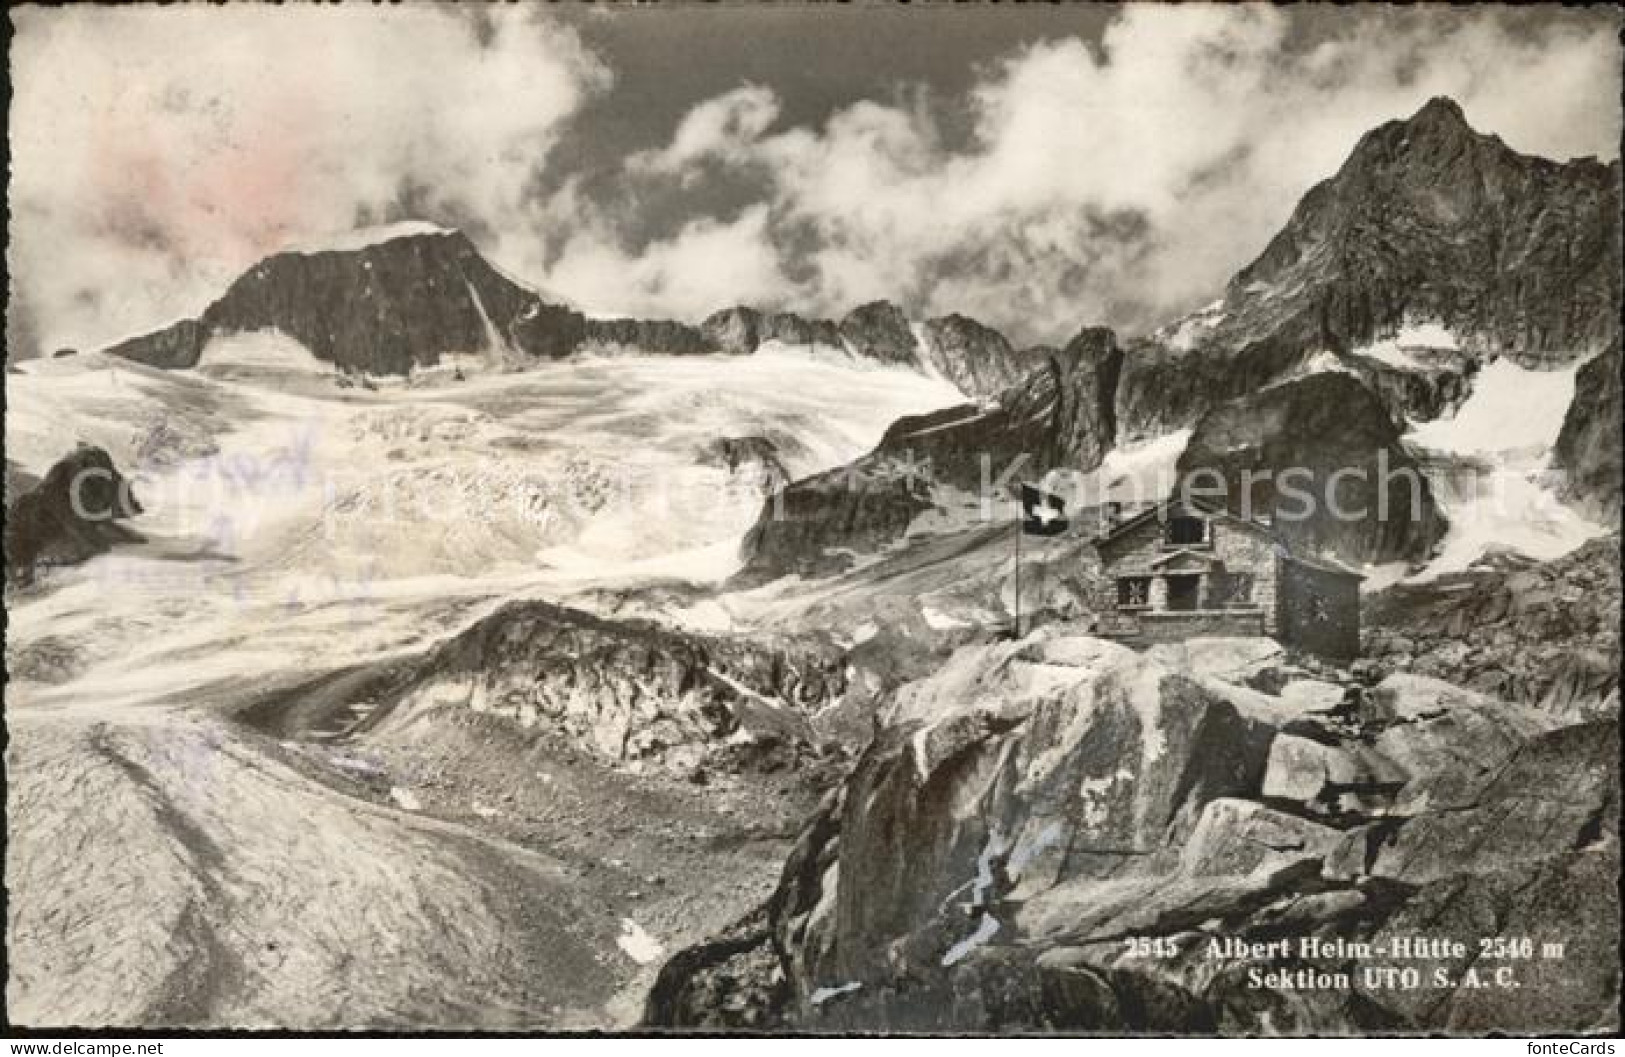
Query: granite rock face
{"x": 660, "y": 336}
{"x": 1431, "y": 220}
{"x": 1588, "y": 450}
{"x": 1053, "y": 834}
{"x": 742, "y": 330}
{"x": 880, "y": 331}
{"x": 975, "y": 358}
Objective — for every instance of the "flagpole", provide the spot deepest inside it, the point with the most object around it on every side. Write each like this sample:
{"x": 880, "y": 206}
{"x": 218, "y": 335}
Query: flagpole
{"x": 1019, "y": 531}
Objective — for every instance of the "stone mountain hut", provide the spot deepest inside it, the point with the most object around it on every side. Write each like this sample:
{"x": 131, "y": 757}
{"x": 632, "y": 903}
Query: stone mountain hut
{"x": 1184, "y": 568}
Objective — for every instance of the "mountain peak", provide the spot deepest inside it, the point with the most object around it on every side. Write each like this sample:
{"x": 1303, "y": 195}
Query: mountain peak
{"x": 1440, "y": 112}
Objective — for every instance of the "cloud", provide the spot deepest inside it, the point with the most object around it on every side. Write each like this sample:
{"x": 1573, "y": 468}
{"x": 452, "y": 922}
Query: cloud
{"x": 723, "y": 128}
{"x": 156, "y": 152}
{"x": 1120, "y": 182}
{"x": 159, "y": 151}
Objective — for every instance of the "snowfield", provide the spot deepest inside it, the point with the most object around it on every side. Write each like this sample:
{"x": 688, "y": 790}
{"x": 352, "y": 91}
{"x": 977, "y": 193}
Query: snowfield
{"x": 1488, "y": 467}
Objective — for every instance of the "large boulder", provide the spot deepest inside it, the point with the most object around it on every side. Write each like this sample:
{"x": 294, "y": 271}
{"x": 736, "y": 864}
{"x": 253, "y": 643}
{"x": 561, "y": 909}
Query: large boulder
{"x": 1321, "y": 458}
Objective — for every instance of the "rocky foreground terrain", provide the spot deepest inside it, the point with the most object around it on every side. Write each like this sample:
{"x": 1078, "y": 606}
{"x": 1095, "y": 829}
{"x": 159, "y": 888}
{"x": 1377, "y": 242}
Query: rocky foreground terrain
{"x": 1053, "y": 834}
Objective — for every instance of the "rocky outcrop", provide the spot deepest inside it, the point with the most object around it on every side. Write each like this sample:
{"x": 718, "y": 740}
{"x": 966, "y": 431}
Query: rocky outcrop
{"x": 1058, "y": 416}
{"x": 176, "y": 347}
{"x": 1588, "y": 449}
{"x": 382, "y": 308}
{"x": 741, "y": 330}
{"x": 1061, "y": 835}
{"x": 1419, "y": 393}
{"x": 1164, "y": 389}
{"x": 1321, "y": 458}
{"x": 880, "y": 331}
{"x": 626, "y": 691}
{"x": 69, "y": 516}
{"x": 1541, "y": 633}
{"x": 756, "y": 456}
{"x": 976, "y": 359}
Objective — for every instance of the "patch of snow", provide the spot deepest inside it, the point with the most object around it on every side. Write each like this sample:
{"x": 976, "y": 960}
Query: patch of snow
{"x": 1487, "y": 465}
{"x": 1092, "y": 795}
{"x": 265, "y": 355}
{"x": 920, "y": 746}
{"x": 1183, "y": 335}
{"x": 1511, "y": 408}
{"x": 937, "y": 620}
{"x": 1322, "y": 362}
{"x": 355, "y": 765}
{"x": 1387, "y": 574}
{"x": 1510, "y": 507}
{"x": 361, "y": 238}
{"x": 824, "y": 994}
{"x": 1426, "y": 336}
{"x": 1398, "y": 350}
{"x": 1026, "y": 851}
{"x": 965, "y": 421}
{"x": 405, "y": 798}
{"x": 638, "y": 944}
{"x": 864, "y": 632}
{"x": 1138, "y": 472}
{"x": 986, "y": 929}
{"x": 982, "y": 883}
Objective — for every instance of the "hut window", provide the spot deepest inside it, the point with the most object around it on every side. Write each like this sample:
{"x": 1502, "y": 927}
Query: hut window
{"x": 1186, "y": 530}
{"x": 1232, "y": 589}
{"x": 1134, "y": 590}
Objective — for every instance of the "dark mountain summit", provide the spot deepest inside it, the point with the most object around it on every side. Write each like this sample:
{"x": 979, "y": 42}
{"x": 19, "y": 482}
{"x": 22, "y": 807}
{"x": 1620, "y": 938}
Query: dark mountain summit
{"x": 1427, "y": 221}
{"x": 382, "y": 308}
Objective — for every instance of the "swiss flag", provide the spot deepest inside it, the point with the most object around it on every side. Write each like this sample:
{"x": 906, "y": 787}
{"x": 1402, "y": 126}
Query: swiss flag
{"x": 1041, "y": 512}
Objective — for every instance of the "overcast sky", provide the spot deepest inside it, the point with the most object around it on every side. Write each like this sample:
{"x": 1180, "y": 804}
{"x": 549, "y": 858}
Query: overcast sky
{"x": 1041, "y": 168}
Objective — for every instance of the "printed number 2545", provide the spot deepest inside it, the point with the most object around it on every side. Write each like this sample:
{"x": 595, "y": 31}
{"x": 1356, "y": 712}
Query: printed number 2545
{"x": 1150, "y": 946}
